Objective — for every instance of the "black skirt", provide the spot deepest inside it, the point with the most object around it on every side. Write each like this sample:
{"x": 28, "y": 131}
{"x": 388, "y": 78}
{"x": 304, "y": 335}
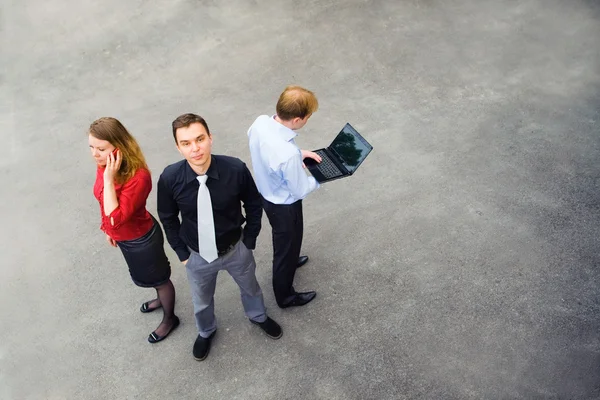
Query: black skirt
{"x": 148, "y": 264}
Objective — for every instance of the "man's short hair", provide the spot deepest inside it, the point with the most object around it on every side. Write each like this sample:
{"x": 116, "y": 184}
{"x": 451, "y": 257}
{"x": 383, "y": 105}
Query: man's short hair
{"x": 185, "y": 120}
{"x": 296, "y": 102}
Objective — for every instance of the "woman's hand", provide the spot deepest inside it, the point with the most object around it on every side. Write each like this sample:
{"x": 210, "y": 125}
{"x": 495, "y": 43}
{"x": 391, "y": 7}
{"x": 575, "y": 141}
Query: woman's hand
{"x": 113, "y": 163}
{"x": 111, "y": 241}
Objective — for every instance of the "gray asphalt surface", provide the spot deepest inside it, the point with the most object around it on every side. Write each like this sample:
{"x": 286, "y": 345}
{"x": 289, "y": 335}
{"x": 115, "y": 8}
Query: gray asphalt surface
{"x": 460, "y": 262}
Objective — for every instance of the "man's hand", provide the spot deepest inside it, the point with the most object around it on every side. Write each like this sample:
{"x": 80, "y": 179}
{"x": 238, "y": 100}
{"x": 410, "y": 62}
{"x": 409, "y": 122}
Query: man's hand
{"x": 111, "y": 241}
{"x": 310, "y": 154}
{"x": 112, "y": 166}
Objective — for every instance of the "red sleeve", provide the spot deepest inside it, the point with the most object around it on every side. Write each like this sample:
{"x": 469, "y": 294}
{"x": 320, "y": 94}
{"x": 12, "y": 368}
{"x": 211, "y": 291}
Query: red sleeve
{"x": 132, "y": 197}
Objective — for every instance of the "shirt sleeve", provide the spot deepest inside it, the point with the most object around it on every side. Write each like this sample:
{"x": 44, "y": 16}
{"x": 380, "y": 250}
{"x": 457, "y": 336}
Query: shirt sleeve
{"x": 253, "y": 207}
{"x": 102, "y": 216}
{"x": 295, "y": 179}
{"x": 131, "y": 198}
{"x": 168, "y": 213}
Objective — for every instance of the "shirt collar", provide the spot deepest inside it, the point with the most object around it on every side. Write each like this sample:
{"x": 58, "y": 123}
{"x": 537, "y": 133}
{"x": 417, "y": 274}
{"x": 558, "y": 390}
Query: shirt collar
{"x": 213, "y": 170}
{"x": 286, "y": 132}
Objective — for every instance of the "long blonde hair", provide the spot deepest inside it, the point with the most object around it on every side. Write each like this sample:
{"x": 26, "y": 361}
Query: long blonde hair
{"x": 113, "y": 131}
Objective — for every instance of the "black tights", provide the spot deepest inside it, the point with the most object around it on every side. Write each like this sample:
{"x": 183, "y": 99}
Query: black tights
{"x": 165, "y": 294}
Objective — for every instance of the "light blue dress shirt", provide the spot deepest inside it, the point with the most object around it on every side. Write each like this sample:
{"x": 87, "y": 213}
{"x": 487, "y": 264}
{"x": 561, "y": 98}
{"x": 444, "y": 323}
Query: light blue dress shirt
{"x": 277, "y": 162}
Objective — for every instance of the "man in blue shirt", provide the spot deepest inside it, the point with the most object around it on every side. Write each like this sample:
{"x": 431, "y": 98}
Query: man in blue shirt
{"x": 283, "y": 183}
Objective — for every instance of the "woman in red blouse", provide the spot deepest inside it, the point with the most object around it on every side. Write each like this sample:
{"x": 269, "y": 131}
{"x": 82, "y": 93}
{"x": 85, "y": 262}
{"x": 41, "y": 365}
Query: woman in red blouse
{"x": 122, "y": 186}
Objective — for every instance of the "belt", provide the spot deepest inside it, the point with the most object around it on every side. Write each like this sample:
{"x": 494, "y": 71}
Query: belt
{"x": 227, "y": 250}
{"x": 238, "y": 236}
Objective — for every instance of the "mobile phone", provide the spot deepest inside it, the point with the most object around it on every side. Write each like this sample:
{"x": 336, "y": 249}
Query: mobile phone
{"x": 114, "y": 152}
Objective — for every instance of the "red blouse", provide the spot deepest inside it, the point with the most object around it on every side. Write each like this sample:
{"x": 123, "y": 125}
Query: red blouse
{"x": 130, "y": 220}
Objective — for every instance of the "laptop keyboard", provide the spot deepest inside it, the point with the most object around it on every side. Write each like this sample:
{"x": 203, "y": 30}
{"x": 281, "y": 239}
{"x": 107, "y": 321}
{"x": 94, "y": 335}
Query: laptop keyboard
{"x": 327, "y": 167}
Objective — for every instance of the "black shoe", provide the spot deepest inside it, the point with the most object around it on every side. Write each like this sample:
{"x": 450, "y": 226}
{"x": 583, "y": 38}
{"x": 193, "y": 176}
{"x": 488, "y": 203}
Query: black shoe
{"x": 154, "y": 338}
{"x": 270, "y": 327}
{"x": 301, "y": 261}
{"x": 299, "y": 299}
{"x": 145, "y": 308}
{"x": 202, "y": 347}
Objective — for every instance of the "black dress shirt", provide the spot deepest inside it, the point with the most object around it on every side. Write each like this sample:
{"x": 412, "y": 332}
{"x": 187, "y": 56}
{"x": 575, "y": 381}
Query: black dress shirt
{"x": 229, "y": 183}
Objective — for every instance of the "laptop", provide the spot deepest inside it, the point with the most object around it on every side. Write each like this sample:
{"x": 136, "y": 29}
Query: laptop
{"x": 343, "y": 156}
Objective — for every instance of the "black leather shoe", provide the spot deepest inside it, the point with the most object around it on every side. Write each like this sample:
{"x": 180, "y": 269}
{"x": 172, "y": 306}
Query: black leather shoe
{"x": 154, "y": 338}
{"x": 299, "y": 299}
{"x": 270, "y": 327}
{"x": 301, "y": 261}
{"x": 202, "y": 347}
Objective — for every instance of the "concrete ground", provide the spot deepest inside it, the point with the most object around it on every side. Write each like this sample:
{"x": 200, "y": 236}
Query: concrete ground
{"x": 460, "y": 262}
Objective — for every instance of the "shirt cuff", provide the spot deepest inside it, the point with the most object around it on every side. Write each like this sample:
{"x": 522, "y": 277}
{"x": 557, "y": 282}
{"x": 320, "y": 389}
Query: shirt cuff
{"x": 317, "y": 185}
{"x": 115, "y": 215}
{"x": 249, "y": 242}
{"x": 183, "y": 254}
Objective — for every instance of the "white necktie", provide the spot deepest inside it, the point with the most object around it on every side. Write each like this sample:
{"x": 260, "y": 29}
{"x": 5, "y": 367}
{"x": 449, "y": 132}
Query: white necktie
{"x": 207, "y": 246}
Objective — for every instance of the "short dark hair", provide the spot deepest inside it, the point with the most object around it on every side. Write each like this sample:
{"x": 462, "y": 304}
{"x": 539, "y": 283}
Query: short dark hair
{"x": 185, "y": 120}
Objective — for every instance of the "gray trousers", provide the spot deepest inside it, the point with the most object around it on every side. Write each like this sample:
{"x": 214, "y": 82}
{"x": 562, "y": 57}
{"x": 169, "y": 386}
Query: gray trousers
{"x": 202, "y": 276}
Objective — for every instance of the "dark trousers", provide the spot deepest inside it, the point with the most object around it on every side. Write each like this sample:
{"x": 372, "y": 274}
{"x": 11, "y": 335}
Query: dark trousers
{"x": 287, "y": 226}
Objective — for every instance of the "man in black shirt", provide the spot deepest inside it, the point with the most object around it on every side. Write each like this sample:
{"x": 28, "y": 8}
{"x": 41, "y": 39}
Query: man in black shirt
{"x": 207, "y": 190}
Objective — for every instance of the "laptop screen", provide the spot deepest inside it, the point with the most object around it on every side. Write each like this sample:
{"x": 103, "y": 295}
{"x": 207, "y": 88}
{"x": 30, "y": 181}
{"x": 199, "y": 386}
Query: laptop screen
{"x": 350, "y": 147}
